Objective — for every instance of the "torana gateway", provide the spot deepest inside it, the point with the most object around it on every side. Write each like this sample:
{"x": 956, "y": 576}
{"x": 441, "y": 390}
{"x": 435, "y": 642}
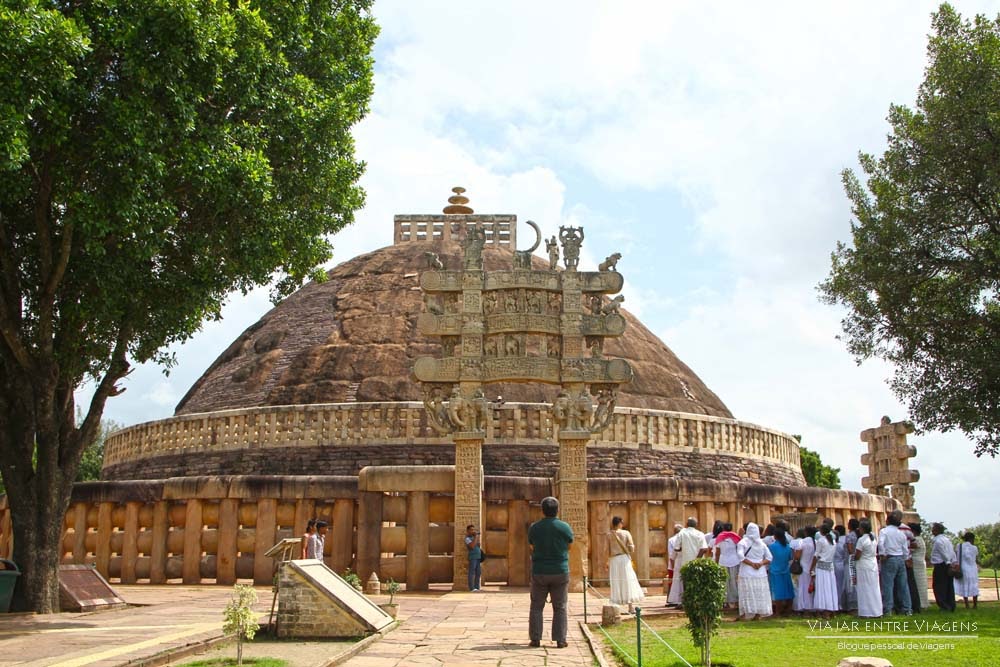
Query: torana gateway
{"x": 446, "y": 379}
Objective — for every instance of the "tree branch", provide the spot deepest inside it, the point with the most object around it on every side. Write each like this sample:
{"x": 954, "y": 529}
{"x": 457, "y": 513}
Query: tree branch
{"x": 117, "y": 369}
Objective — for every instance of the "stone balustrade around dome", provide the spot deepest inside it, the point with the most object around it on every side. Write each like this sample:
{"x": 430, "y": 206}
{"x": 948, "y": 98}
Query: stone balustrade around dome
{"x": 357, "y": 425}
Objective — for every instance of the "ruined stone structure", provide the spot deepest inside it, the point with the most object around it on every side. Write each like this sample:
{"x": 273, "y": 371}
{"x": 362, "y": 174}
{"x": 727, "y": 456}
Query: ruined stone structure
{"x": 888, "y": 459}
{"x": 315, "y": 411}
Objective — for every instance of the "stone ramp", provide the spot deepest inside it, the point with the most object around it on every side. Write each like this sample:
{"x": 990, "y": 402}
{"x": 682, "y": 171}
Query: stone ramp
{"x": 314, "y": 601}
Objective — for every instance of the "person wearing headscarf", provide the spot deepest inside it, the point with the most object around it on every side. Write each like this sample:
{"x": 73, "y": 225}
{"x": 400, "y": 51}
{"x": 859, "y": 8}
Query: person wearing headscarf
{"x": 754, "y": 591}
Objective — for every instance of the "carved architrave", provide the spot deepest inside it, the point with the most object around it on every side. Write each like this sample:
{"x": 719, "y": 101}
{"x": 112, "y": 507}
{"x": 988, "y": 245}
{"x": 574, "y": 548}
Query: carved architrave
{"x": 522, "y": 325}
{"x": 888, "y": 461}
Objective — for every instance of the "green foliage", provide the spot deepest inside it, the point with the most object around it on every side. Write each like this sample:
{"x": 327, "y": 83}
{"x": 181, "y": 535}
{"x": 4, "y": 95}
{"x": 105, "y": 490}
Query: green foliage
{"x": 920, "y": 280}
{"x": 988, "y": 542}
{"x": 240, "y": 619}
{"x": 154, "y": 158}
{"x": 93, "y": 455}
{"x": 815, "y": 472}
{"x": 703, "y": 597}
{"x": 353, "y": 579}
{"x": 392, "y": 587}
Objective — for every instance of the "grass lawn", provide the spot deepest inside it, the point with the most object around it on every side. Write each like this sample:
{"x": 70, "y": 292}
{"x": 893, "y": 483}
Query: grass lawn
{"x": 748, "y": 644}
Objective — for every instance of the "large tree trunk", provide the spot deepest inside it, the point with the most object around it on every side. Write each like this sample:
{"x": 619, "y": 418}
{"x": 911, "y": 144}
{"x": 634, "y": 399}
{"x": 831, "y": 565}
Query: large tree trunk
{"x": 37, "y": 521}
{"x": 39, "y": 480}
{"x": 42, "y": 449}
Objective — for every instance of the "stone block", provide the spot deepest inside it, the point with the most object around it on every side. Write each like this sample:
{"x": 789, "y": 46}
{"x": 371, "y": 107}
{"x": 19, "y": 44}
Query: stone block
{"x": 864, "y": 662}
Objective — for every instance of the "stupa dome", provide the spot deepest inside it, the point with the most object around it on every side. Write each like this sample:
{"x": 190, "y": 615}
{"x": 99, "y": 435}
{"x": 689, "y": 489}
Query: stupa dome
{"x": 354, "y": 338}
{"x": 325, "y": 382}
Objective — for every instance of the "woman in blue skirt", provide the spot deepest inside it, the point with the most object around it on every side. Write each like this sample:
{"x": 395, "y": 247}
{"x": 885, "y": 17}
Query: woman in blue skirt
{"x": 779, "y": 575}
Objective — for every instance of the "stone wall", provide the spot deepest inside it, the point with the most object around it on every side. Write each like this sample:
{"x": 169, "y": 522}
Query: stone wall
{"x": 345, "y": 437}
{"x": 396, "y": 521}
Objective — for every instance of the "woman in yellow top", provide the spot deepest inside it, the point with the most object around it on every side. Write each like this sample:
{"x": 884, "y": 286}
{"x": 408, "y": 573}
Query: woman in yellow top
{"x": 625, "y": 589}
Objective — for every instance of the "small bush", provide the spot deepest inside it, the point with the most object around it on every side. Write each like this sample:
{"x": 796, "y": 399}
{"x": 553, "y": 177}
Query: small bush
{"x": 703, "y": 597}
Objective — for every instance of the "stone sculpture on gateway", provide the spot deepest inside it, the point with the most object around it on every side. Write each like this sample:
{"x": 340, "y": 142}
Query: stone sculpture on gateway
{"x": 523, "y": 344}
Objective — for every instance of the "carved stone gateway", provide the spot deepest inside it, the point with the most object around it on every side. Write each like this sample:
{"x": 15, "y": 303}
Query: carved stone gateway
{"x": 521, "y": 325}
{"x": 888, "y": 461}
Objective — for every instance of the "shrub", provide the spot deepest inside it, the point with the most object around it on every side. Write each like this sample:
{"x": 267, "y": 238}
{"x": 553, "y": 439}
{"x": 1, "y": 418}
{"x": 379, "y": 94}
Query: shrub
{"x": 703, "y": 597}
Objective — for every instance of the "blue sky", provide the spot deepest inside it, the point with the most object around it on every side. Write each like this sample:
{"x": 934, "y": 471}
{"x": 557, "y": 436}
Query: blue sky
{"x": 703, "y": 141}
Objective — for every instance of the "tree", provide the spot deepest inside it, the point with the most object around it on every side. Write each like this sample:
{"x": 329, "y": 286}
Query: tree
{"x": 920, "y": 282}
{"x": 239, "y": 618}
{"x": 93, "y": 454}
{"x": 988, "y": 541}
{"x": 703, "y": 597}
{"x": 815, "y": 471}
{"x": 154, "y": 157}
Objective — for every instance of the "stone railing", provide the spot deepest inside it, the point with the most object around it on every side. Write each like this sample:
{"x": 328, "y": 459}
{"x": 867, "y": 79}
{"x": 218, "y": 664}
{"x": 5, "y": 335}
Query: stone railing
{"x": 397, "y": 521}
{"x": 405, "y": 423}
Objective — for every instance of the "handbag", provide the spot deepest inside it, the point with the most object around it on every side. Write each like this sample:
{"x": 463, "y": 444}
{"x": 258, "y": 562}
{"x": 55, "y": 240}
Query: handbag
{"x": 624, "y": 549}
{"x": 795, "y": 567}
{"x": 482, "y": 555}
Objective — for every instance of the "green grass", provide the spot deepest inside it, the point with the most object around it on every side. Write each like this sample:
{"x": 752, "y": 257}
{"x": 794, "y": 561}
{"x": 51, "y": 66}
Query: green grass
{"x": 745, "y": 644}
{"x": 248, "y": 662}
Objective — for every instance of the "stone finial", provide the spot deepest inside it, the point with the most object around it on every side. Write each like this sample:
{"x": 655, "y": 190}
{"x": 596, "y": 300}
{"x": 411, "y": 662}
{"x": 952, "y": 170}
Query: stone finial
{"x": 457, "y": 203}
{"x": 373, "y": 587}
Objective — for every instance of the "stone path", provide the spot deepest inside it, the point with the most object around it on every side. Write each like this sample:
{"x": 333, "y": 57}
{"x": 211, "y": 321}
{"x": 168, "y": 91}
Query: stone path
{"x": 170, "y": 617}
{"x": 473, "y": 629}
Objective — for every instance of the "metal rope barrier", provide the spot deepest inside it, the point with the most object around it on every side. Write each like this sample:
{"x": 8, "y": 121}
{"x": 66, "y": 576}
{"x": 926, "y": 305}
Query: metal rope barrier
{"x": 664, "y": 642}
{"x": 628, "y": 656}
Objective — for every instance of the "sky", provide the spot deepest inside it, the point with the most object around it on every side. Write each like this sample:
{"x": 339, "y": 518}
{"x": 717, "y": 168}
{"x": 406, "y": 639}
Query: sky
{"x": 703, "y": 141}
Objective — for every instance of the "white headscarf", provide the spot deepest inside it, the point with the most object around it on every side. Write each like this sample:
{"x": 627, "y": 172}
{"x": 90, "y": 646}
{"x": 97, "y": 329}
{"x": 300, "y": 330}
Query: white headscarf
{"x": 752, "y": 538}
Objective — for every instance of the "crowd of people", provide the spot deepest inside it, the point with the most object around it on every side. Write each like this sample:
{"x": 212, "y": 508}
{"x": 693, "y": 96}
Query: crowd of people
{"x": 826, "y": 569}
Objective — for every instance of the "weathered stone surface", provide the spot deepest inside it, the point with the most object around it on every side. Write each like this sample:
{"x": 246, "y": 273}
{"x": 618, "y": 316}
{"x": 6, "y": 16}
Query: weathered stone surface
{"x": 541, "y": 460}
{"x": 355, "y": 337}
{"x": 864, "y": 662}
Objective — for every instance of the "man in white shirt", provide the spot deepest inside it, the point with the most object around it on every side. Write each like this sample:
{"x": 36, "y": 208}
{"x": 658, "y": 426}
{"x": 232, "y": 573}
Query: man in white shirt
{"x": 691, "y": 544}
{"x": 894, "y": 550}
{"x": 671, "y": 559}
{"x": 942, "y": 556}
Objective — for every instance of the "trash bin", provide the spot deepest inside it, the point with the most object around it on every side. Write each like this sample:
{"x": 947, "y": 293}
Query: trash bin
{"x": 8, "y": 577}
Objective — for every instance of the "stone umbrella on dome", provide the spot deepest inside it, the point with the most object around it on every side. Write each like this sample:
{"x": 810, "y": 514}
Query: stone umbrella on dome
{"x": 457, "y": 203}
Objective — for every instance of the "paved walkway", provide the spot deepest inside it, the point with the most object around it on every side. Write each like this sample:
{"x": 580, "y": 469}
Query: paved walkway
{"x": 473, "y": 629}
{"x": 438, "y": 628}
{"x": 169, "y": 617}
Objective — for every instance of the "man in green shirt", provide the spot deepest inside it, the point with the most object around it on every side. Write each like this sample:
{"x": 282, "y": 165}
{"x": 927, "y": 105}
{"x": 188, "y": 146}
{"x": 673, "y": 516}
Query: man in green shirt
{"x": 549, "y": 539}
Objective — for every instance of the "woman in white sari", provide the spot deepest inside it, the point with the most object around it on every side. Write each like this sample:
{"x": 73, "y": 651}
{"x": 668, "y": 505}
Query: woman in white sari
{"x": 625, "y": 588}
{"x": 804, "y": 551}
{"x": 823, "y": 568}
{"x": 968, "y": 586}
{"x": 754, "y": 588}
{"x": 868, "y": 589}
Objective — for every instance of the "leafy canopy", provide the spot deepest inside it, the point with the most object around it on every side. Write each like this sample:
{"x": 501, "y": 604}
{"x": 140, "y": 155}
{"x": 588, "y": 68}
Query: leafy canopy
{"x": 921, "y": 280}
{"x": 816, "y": 472}
{"x": 180, "y": 149}
{"x": 155, "y": 156}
